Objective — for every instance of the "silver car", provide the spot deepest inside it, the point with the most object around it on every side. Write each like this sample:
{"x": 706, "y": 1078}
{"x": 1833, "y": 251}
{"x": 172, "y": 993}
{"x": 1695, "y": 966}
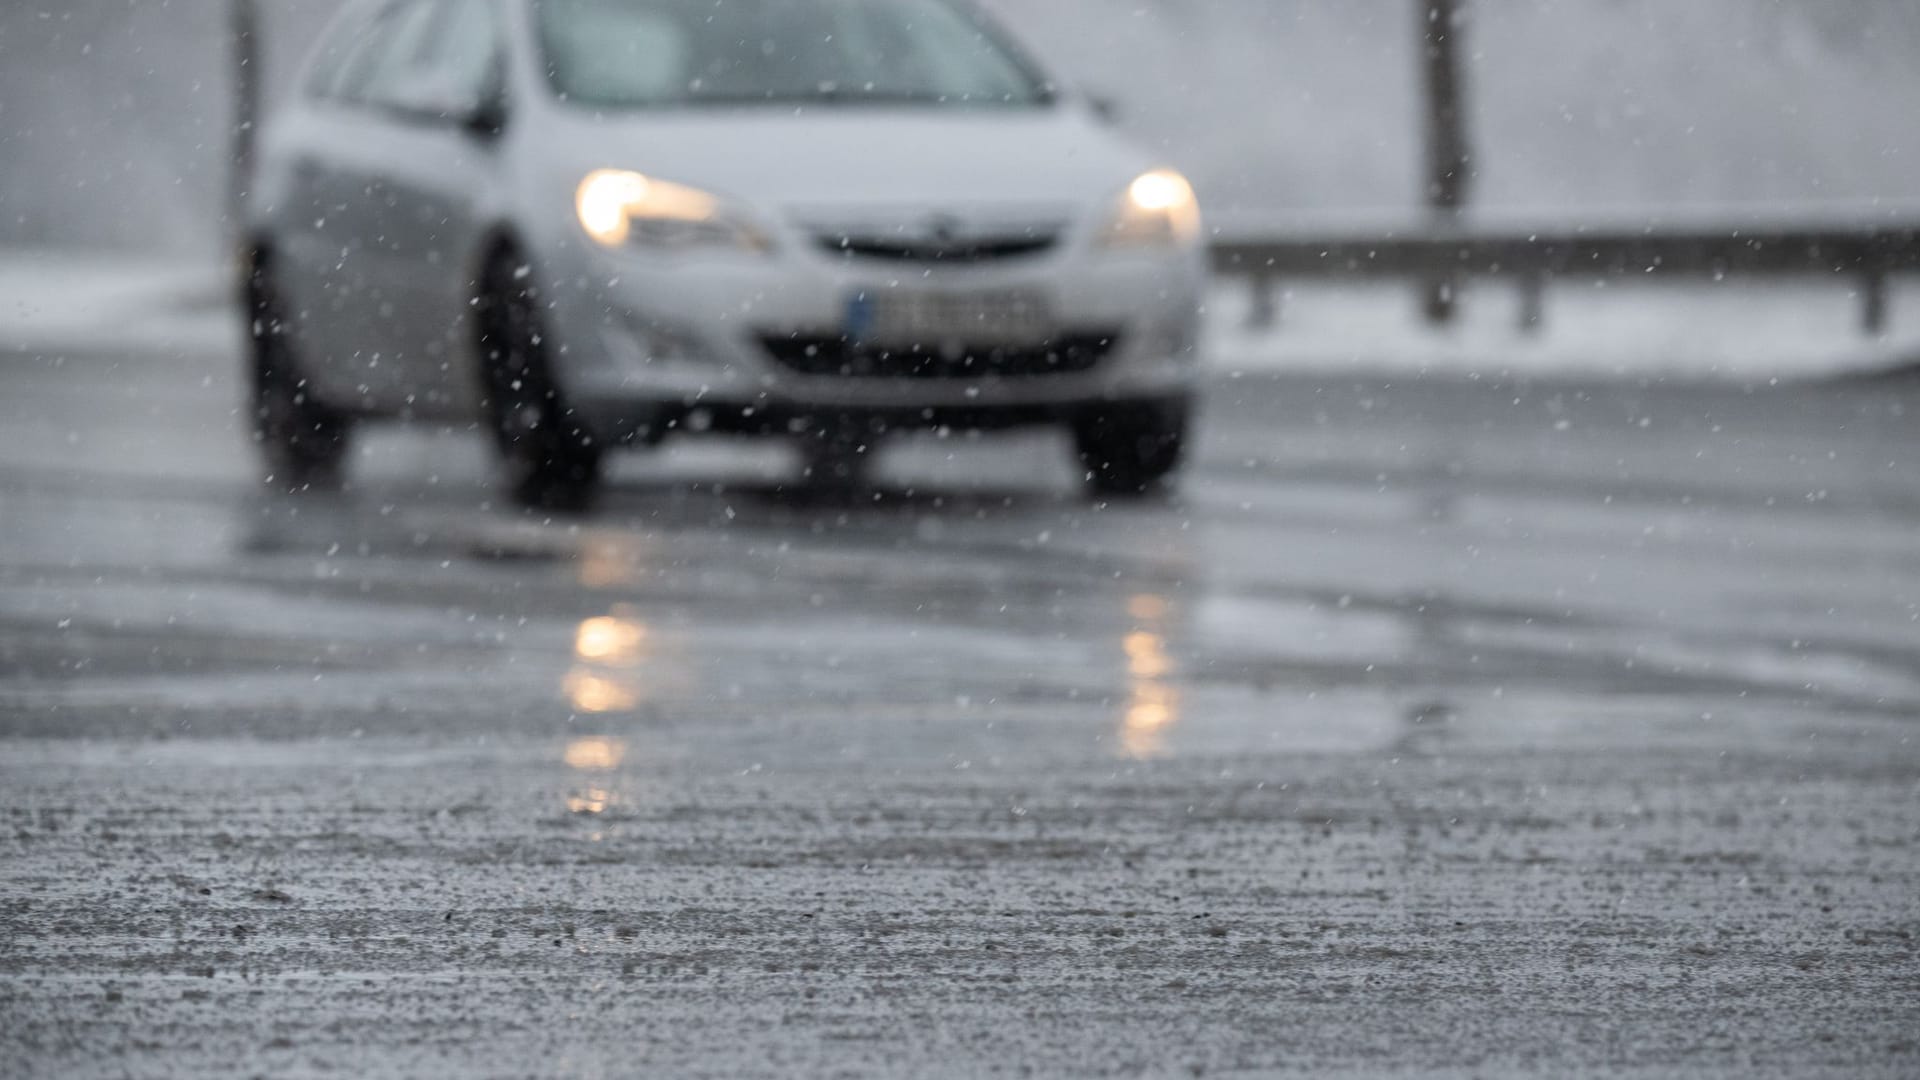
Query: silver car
{"x": 592, "y": 224}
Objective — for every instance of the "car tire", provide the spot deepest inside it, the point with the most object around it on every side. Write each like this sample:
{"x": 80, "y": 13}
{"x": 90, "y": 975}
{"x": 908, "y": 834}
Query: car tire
{"x": 1129, "y": 449}
{"x": 302, "y": 441}
{"x": 549, "y": 459}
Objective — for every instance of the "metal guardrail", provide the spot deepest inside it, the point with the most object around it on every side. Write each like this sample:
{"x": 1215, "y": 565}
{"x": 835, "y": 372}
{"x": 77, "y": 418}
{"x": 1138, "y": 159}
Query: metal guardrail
{"x": 1867, "y": 254}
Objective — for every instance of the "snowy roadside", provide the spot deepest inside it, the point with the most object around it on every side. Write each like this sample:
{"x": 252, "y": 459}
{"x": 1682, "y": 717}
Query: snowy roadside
{"x": 1734, "y": 331}
{"x": 84, "y": 302}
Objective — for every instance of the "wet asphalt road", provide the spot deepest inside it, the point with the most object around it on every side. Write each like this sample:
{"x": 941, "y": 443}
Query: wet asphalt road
{"x": 1436, "y": 728}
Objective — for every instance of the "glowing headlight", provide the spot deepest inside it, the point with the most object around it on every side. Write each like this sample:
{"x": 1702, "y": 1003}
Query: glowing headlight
{"x": 1158, "y": 210}
{"x": 618, "y": 208}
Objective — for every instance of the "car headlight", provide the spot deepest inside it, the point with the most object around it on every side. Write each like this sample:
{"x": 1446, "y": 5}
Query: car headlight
{"x": 1157, "y": 210}
{"x": 620, "y": 209}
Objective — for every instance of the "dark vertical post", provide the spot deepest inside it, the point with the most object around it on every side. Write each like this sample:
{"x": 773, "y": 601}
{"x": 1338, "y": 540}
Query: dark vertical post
{"x": 1264, "y": 312}
{"x": 1873, "y": 303}
{"x": 1533, "y": 301}
{"x": 1448, "y": 154}
{"x": 244, "y": 22}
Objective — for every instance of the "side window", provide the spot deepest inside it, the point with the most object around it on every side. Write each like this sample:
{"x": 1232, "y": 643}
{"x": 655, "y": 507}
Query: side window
{"x": 401, "y": 60}
{"x": 465, "y": 51}
{"x": 352, "y": 45}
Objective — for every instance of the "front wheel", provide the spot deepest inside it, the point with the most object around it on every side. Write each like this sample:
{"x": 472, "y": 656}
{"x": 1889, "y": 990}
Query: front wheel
{"x": 303, "y": 442}
{"x": 550, "y": 460}
{"x": 1131, "y": 448}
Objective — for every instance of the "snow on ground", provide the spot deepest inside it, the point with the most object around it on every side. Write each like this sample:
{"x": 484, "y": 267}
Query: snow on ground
{"x": 59, "y": 301}
{"x": 1734, "y": 331}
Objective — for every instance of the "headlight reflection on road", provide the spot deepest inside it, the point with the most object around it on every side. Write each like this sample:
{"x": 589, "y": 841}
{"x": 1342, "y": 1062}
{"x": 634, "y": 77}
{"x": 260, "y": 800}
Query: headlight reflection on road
{"x": 610, "y": 559}
{"x": 1153, "y": 704}
{"x": 597, "y": 756}
{"x": 597, "y": 753}
{"x": 608, "y": 651}
{"x": 1148, "y": 607}
{"x": 1147, "y": 655}
{"x": 590, "y": 801}
{"x": 588, "y": 692}
{"x": 610, "y": 639}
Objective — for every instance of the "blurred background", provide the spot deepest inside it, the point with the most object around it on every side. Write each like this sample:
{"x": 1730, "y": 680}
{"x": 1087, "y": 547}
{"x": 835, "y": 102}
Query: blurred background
{"x": 1532, "y": 688}
{"x": 113, "y": 115}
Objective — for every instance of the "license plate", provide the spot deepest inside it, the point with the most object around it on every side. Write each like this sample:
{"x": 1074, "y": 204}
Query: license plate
{"x": 903, "y": 317}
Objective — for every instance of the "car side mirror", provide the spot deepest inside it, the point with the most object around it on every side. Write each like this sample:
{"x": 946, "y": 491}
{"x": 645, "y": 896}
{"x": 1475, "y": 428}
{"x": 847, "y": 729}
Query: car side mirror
{"x": 488, "y": 116}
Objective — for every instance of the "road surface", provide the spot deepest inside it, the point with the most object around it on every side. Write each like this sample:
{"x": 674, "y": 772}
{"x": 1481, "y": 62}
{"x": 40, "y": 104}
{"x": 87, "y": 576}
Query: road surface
{"x": 1434, "y": 727}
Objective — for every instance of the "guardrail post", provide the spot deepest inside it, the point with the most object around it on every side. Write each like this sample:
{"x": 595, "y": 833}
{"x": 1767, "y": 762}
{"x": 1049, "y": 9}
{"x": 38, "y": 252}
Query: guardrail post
{"x": 1264, "y": 311}
{"x": 1449, "y": 156}
{"x": 1533, "y": 302}
{"x": 1873, "y": 303}
{"x": 244, "y": 28}
{"x": 1441, "y": 298}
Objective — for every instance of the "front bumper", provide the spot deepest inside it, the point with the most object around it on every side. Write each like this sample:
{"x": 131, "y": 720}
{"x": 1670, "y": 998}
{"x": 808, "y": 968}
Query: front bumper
{"x": 647, "y": 341}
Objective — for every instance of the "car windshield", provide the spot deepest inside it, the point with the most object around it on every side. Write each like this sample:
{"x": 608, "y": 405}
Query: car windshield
{"x": 664, "y": 53}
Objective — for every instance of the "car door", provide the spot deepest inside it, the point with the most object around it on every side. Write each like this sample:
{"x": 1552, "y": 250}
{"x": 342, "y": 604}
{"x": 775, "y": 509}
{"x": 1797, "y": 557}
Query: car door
{"x": 329, "y": 244}
{"x": 435, "y": 150}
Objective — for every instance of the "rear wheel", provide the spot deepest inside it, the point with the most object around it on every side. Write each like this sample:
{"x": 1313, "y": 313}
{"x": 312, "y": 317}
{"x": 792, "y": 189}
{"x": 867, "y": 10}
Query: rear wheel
{"x": 1130, "y": 448}
{"x": 549, "y": 459}
{"x": 303, "y": 442}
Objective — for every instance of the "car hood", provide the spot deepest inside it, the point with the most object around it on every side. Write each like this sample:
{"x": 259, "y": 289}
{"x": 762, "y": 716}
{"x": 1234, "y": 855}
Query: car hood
{"x": 832, "y": 160}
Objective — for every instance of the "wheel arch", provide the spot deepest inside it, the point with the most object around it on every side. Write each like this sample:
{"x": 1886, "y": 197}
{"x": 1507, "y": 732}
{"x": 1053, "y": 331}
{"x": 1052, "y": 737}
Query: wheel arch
{"x": 253, "y": 256}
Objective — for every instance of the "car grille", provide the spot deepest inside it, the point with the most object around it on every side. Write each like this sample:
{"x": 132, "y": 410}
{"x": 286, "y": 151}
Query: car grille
{"x": 834, "y": 356}
{"x": 924, "y": 249}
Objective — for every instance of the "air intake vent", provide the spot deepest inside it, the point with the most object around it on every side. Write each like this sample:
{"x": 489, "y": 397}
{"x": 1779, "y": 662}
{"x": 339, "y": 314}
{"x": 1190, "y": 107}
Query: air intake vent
{"x": 938, "y": 249}
{"x": 1064, "y": 355}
